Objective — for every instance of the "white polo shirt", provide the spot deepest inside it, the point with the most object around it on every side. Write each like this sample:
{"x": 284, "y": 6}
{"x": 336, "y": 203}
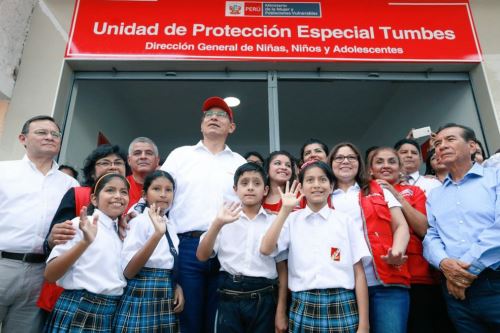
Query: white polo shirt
{"x": 348, "y": 203}
{"x": 141, "y": 230}
{"x": 98, "y": 269}
{"x": 28, "y": 203}
{"x": 322, "y": 249}
{"x": 203, "y": 181}
{"x": 425, "y": 184}
{"x": 238, "y": 247}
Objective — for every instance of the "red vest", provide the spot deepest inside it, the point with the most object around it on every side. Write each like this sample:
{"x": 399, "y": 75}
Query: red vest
{"x": 377, "y": 220}
{"x": 420, "y": 270}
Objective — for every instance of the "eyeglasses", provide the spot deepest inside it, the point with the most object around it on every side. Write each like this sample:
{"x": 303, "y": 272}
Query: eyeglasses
{"x": 218, "y": 114}
{"x": 341, "y": 158}
{"x": 107, "y": 163}
{"x": 44, "y": 132}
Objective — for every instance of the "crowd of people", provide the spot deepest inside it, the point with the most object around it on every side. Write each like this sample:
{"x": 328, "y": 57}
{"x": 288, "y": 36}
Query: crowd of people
{"x": 210, "y": 241}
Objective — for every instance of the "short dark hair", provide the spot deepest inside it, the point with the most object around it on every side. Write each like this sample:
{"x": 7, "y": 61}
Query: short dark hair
{"x": 69, "y": 167}
{"x": 98, "y": 153}
{"x": 26, "y": 126}
{"x": 311, "y": 141}
{"x": 412, "y": 142}
{"x": 467, "y": 132}
{"x": 317, "y": 164}
{"x": 254, "y": 153}
{"x": 271, "y": 157}
{"x": 249, "y": 167}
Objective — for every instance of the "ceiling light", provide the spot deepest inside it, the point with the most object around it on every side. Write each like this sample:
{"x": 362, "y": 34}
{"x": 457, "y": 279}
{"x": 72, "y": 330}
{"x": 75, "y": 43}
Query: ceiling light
{"x": 232, "y": 101}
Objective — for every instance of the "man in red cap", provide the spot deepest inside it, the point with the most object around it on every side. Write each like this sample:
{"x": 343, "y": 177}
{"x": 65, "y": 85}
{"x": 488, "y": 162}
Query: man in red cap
{"x": 203, "y": 175}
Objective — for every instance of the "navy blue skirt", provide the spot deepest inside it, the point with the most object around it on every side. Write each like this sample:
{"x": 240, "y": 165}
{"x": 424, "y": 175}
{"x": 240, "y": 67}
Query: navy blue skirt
{"x": 323, "y": 310}
{"x": 82, "y": 311}
{"x": 147, "y": 303}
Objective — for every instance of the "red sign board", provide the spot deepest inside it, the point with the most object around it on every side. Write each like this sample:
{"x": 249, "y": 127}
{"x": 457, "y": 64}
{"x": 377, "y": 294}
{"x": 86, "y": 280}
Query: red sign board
{"x": 333, "y": 30}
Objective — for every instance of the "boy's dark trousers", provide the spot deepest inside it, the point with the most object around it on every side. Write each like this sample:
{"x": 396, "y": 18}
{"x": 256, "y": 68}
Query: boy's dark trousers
{"x": 246, "y": 304}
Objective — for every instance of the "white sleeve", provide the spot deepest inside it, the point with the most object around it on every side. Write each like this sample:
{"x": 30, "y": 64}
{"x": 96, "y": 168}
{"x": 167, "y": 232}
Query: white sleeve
{"x": 136, "y": 238}
{"x": 359, "y": 248}
{"x": 283, "y": 240}
{"x": 63, "y": 248}
{"x": 215, "y": 249}
{"x": 390, "y": 199}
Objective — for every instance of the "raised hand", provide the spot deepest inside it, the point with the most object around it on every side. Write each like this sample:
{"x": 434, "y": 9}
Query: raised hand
{"x": 385, "y": 184}
{"x": 290, "y": 198}
{"x": 123, "y": 224}
{"x": 394, "y": 259}
{"x": 159, "y": 220}
{"x": 88, "y": 228}
{"x": 229, "y": 212}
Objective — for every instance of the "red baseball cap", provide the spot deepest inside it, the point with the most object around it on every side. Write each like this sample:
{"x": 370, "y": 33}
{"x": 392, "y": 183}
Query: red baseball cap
{"x": 217, "y": 102}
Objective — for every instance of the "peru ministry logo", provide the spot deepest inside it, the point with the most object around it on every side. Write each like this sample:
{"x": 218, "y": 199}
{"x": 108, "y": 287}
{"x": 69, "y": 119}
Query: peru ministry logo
{"x": 235, "y": 8}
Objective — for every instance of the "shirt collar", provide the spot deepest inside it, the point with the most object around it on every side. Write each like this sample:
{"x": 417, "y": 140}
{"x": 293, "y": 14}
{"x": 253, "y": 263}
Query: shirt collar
{"x": 324, "y": 212}
{"x": 415, "y": 175}
{"x": 105, "y": 220}
{"x": 354, "y": 187}
{"x": 262, "y": 211}
{"x": 32, "y": 165}
{"x": 477, "y": 170}
{"x": 200, "y": 145}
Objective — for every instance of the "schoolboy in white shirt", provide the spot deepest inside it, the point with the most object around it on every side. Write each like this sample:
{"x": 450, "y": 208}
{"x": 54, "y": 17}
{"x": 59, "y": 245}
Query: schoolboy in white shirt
{"x": 248, "y": 279}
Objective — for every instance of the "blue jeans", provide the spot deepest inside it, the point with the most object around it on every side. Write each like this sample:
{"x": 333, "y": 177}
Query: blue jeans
{"x": 199, "y": 283}
{"x": 246, "y": 304}
{"x": 389, "y": 307}
{"x": 480, "y": 311}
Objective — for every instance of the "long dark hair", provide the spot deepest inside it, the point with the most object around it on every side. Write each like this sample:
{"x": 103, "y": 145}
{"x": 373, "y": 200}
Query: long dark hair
{"x": 272, "y": 156}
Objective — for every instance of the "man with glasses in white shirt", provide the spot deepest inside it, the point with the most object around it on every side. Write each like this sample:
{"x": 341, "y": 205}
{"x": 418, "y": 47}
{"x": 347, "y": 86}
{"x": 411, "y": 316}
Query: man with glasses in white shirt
{"x": 30, "y": 191}
{"x": 203, "y": 175}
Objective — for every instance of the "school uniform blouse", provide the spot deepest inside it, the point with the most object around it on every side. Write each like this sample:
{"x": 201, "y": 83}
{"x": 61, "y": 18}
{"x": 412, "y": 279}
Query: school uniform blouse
{"x": 98, "y": 269}
{"x": 348, "y": 203}
{"x": 28, "y": 202}
{"x": 238, "y": 246}
{"x": 141, "y": 230}
{"x": 322, "y": 249}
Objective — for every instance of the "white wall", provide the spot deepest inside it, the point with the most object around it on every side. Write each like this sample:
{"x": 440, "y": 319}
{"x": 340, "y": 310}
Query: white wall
{"x": 39, "y": 75}
{"x": 15, "y": 16}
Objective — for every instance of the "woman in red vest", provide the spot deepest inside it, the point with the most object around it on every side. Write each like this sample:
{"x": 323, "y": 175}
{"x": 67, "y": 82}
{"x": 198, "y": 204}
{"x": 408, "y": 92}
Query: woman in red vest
{"x": 379, "y": 214}
{"x": 427, "y": 307}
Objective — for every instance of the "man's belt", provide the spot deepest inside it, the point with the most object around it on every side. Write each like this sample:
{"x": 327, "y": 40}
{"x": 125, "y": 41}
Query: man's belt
{"x": 32, "y": 258}
{"x": 192, "y": 234}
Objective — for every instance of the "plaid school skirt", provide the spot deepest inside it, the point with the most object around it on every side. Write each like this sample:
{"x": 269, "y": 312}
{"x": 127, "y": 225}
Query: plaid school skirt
{"x": 323, "y": 310}
{"x": 147, "y": 303}
{"x": 82, "y": 311}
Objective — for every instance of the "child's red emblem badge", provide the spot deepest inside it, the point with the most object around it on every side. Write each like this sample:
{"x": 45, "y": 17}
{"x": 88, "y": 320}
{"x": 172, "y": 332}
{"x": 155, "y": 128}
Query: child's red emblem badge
{"x": 335, "y": 254}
